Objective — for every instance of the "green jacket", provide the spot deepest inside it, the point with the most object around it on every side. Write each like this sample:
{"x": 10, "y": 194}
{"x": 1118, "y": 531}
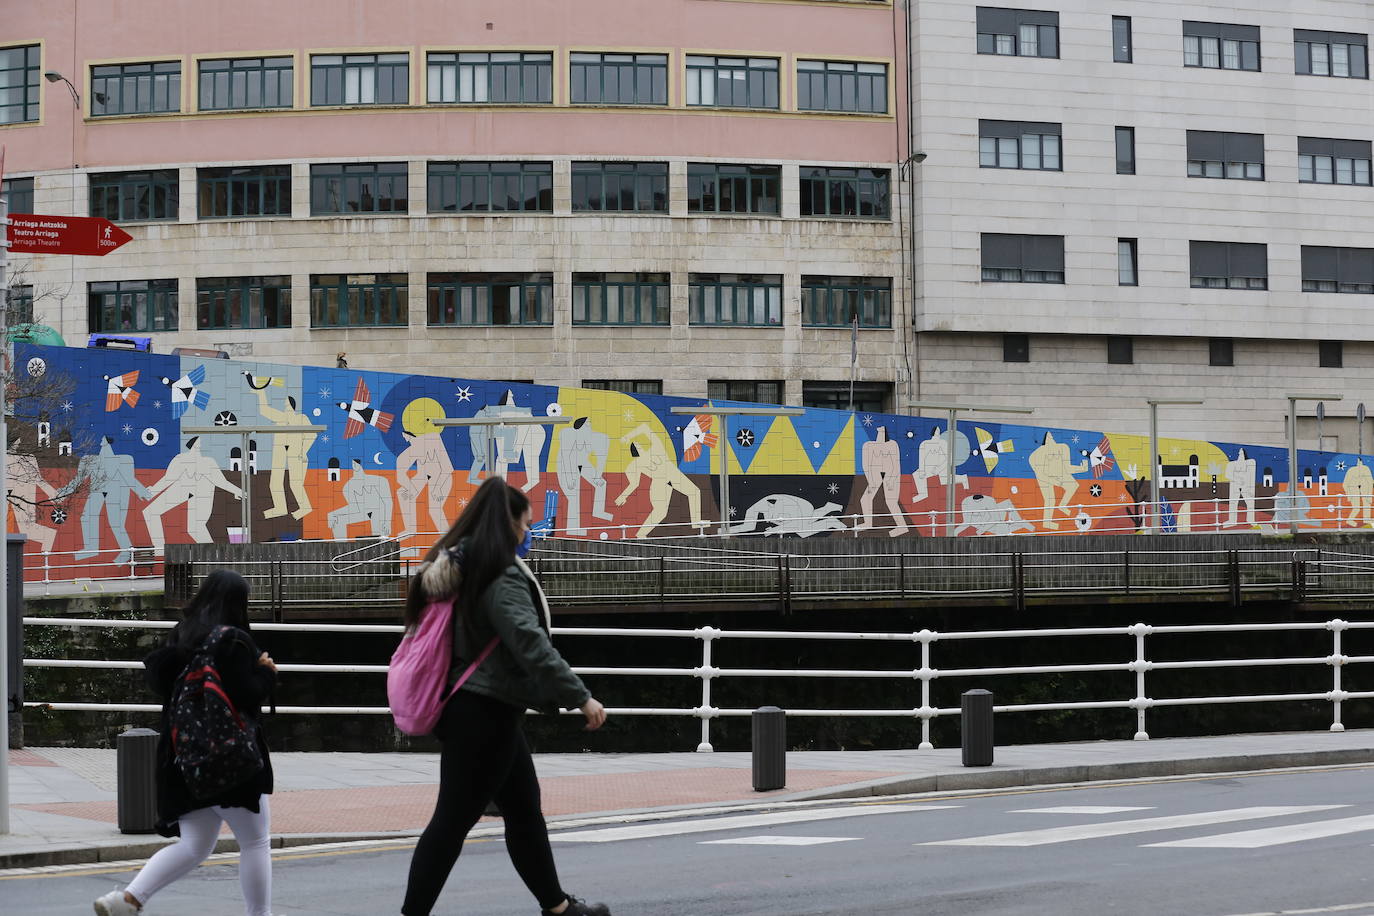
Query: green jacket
{"x": 525, "y": 669}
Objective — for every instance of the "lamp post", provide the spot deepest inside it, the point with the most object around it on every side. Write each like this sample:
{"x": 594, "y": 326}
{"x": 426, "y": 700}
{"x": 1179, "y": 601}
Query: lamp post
{"x": 489, "y": 422}
{"x": 723, "y": 415}
{"x": 1293, "y": 400}
{"x": 246, "y": 432}
{"x": 1155, "y": 463}
{"x": 953, "y": 410}
{"x": 53, "y": 76}
{"x": 5, "y": 609}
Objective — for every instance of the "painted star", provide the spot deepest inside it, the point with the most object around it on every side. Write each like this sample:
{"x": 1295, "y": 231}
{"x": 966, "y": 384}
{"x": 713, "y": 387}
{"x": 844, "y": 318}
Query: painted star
{"x": 868, "y": 419}
{"x": 1073, "y": 439}
{"x": 833, "y": 488}
{"x": 157, "y": 405}
{"x": 325, "y": 393}
{"x": 629, "y": 416}
{"x": 127, "y": 429}
{"x": 1122, "y": 498}
{"x": 324, "y": 438}
{"x": 732, "y": 511}
{"x": 1095, "y": 490}
{"x": 67, "y": 406}
{"x": 464, "y": 393}
{"x": 745, "y": 438}
{"x": 462, "y": 503}
{"x": 1340, "y": 465}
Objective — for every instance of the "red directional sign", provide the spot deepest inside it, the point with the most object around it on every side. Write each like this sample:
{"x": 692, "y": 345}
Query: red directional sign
{"x": 35, "y": 233}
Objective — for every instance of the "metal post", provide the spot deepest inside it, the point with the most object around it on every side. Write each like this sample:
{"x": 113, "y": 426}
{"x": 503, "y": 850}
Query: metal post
{"x": 246, "y": 479}
{"x": 1293, "y": 400}
{"x": 724, "y": 451}
{"x": 5, "y": 609}
{"x": 490, "y": 424}
{"x": 1153, "y": 510}
{"x": 244, "y": 433}
{"x": 949, "y": 469}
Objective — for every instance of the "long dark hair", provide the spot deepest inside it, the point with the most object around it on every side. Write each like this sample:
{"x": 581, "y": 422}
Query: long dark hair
{"x": 222, "y": 599}
{"x": 487, "y": 529}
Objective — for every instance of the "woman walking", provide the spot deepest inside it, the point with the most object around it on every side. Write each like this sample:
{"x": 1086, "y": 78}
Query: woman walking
{"x": 215, "y": 623}
{"x": 485, "y": 757}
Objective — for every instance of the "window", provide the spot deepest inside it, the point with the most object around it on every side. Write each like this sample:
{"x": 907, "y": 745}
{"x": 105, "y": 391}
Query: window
{"x": 247, "y": 82}
{"x": 19, "y": 305}
{"x": 1337, "y": 270}
{"x": 130, "y": 196}
{"x": 1331, "y": 54}
{"x": 19, "y": 72}
{"x": 1015, "y": 348}
{"x": 243, "y": 302}
{"x": 257, "y": 190}
{"x": 1023, "y": 258}
{"x": 1213, "y": 154}
{"x": 358, "y": 187}
{"x": 735, "y": 299}
{"x": 358, "y": 300}
{"x": 619, "y": 79}
{"x": 1330, "y": 354}
{"x": 495, "y": 78}
{"x": 475, "y": 299}
{"x": 359, "y": 79}
{"x": 1333, "y": 161}
{"x": 732, "y": 188}
{"x": 1125, "y": 150}
{"x": 830, "y": 85}
{"x": 1126, "y": 274}
{"x": 1019, "y": 145}
{"x": 844, "y": 192}
{"x": 751, "y": 392}
{"x": 490, "y": 187}
{"x": 19, "y": 194}
{"x": 132, "y": 305}
{"x": 121, "y": 89}
{"x": 732, "y": 82}
{"x": 1120, "y": 351}
{"x": 1022, "y": 33}
{"x": 834, "y": 302}
{"x": 1121, "y": 39}
{"x": 1221, "y": 46}
{"x": 625, "y": 386}
{"x": 1221, "y": 351}
{"x": 1228, "y": 265}
{"x": 625, "y": 187}
{"x": 869, "y": 397}
{"x": 602, "y": 298}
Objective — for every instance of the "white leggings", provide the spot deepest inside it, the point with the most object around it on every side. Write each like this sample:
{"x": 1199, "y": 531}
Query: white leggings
{"x": 199, "y": 831}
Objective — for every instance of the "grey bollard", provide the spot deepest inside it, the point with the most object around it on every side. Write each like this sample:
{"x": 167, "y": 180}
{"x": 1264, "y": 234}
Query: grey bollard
{"x": 975, "y": 724}
{"x": 136, "y": 775}
{"x": 770, "y": 748}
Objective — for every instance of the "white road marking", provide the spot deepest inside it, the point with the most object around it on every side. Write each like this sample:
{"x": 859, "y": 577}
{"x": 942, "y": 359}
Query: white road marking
{"x": 1338, "y": 908}
{"x": 1083, "y": 809}
{"x": 1277, "y": 836}
{"x": 770, "y": 840}
{"x": 740, "y": 822}
{"x": 1135, "y": 825}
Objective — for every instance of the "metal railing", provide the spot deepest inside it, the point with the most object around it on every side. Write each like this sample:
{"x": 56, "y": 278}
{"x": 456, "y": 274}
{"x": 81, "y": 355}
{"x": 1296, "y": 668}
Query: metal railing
{"x": 708, "y": 673}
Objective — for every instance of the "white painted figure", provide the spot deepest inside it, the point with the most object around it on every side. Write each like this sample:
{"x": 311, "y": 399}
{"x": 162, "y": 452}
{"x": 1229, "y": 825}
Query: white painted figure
{"x": 649, "y": 458}
{"x": 1359, "y": 490}
{"x": 582, "y": 455}
{"x": 290, "y": 453}
{"x": 29, "y": 493}
{"x": 513, "y": 443}
{"x": 989, "y": 516}
{"x": 192, "y": 477}
{"x": 110, "y": 479}
{"x": 784, "y": 513}
{"x": 1241, "y": 474}
{"x": 882, "y": 466}
{"x": 932, "y": 460}
{"x": 433, "y": 474}
{"x": 367, "y": 499}
{"x": 1054, "y": 471}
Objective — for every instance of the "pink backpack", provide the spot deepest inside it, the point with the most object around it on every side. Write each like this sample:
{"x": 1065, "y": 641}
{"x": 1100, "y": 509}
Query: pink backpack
{"x": 419, "y": 670}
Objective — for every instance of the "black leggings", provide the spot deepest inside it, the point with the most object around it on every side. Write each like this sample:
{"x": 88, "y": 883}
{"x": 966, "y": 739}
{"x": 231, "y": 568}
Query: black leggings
{"x": 484, "y": 758}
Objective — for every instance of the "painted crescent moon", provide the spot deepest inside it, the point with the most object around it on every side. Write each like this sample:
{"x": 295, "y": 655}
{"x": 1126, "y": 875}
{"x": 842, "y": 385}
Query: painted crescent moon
{"x": 377, "y": 457}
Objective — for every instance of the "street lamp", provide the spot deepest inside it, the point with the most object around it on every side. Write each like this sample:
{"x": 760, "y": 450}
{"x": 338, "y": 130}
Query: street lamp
{"x": 723, "y": 415}
{"x": 1155, "y": 463}
{"x": 949, "y": 436}
{"x": 1293, "y": 400}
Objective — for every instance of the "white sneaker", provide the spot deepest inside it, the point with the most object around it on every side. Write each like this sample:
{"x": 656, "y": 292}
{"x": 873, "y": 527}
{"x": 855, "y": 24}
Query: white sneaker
{"x": 114, "y": 904}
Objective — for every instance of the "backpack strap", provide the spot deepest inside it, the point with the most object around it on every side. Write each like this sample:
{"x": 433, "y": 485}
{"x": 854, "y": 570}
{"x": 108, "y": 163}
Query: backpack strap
{"x": 473, "y": 667}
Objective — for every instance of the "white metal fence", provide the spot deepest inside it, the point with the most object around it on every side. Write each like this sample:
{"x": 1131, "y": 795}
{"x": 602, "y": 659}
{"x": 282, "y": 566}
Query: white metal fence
{"x": 1139, "y": 636}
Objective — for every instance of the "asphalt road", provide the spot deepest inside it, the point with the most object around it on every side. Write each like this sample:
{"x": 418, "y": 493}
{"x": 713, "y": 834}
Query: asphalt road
{"x": 1226, "y": 846}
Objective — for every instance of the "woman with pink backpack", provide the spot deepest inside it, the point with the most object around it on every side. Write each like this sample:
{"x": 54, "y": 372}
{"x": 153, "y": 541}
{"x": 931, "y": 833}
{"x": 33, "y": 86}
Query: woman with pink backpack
{"x": 503, "y": 662}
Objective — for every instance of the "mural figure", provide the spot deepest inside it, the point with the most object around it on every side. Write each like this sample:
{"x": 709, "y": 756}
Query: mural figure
{"x": 513, "y": 443}
{"x": 368, "y": 500}
{"x": 433, "y": 471}
{"x": 1290, "y": 507}
{"x": 932, "y": 460}
{"x": 582, "y": 453}
{"x": 120, "y": 390}
{"x": 1241, "y": 474}
{"x": 361, "y": 413}
{"x": 989, "y": 516}
{"x": 191, "y": 478}
{"x": 110, "y": 479}
{"x": 783, "y": 513}
{"x": 1050, "y": 464}
{"x": 649, "y": 457}
{"x": 1359, "y": 489}
{"x": 29, "y": 492}
{"x": 289, "y": 456}
{"x": 882, "y": 465}
{"x": 186, "y": 391}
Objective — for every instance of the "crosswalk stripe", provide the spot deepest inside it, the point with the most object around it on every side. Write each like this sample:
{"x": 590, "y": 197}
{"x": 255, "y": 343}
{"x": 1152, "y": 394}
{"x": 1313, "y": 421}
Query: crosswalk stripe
{"x": 1135, "y": 825}
{"x": 770, "y": 840}
{"x": 744, "y": 821}
{"x": 1083, "y": 809}
{"x": 1277, "y": 836}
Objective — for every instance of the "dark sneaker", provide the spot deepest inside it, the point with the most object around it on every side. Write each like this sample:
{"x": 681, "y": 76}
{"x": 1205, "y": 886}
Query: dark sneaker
{"x": 581, "y": 908}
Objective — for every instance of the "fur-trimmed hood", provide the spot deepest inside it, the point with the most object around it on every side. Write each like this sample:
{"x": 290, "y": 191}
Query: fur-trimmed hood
{"x": 441, "y": 577}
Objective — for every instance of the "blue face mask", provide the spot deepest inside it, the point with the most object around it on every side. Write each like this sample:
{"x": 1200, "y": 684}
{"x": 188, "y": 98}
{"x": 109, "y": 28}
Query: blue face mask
{"x": 523, "y": 550}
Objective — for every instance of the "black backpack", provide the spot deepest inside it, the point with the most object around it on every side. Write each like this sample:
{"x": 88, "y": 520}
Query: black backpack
{"x": 213, "y": 744}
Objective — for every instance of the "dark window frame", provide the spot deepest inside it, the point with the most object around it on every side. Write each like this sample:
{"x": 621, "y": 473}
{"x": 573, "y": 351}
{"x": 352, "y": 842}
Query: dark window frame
{"x": 647, "y": 78}
{"x": 1133, "y": 252}
{"x": 748, "y": 391}
{"x": 833, "y": 301}
{"x": 342, "y": 188}
{"x": 727, "y": 188}
{"x": 1015, "y": 348}
{"x": 1336, "y": 269}
{"x": 154, "y": 87}
{"x": 1120, "y": 350}
{"x": 1006, "y": 32}
{"x": 1007, "y": 145}
{"x": 153, "y": 303}
{"x": 733, "y": 300}
{"x": 18, "y": 304}
{"x": 1123, "y": 44}
{"x": 1356, "y": 50}
{"x": 869, "y": 397}
{"x": 622, "y": 299}
{"x": 1022, "y": 258}
{"x": 1221, "y": 351}
{"x": 1321, "y": 161}
{"x": 262, "y": 78}
{"x": 243, "y": 192}
{"x": 490, "y": 77}
{"x": 473, "y": 299}
{"x": 24, "y": 77}
{"x": 606, "y": 187}
{"x": 1238, "y": 260}
{"x": 1215, "y": 36}
{"x": 760, "y": 79}
{"x": 19, "y": 194}
{"x": 1225, "y": 155}
{"x": 1125, "y": 166}
{"x": 834, "y": 192}
{"x": 1331, "y": 354}
{"x": 359, "y": 301}
{"x": 633, "y": 386}
{"x": 471, "y": 186}
{"x": 385, "y": 76}
{"x": 262, "y": 302}
{"x": 147, "y": 196}
{"x": 842, "y": 86}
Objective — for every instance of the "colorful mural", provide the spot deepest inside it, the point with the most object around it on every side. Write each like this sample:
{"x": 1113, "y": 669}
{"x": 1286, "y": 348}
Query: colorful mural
{"x": 622, "y": 467}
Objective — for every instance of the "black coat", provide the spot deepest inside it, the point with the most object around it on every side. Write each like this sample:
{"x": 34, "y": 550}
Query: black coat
{"x": 249, "y": 685}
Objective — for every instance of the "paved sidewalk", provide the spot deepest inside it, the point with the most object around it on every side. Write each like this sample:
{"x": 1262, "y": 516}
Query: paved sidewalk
{"x": 63, "y": 800}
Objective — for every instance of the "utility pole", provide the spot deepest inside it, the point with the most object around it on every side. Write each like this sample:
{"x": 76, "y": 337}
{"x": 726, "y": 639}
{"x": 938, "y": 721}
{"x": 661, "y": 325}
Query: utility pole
{"x": 1155, "y": 463}
{"x": 1293, "y": 400}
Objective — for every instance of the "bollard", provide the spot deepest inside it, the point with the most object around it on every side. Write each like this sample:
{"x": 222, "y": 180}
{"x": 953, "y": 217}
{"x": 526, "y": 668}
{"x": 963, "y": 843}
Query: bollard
{"x": 975, "y": 725}
{"x": 770, "y": 748}
{"x": 136, "y": 775}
